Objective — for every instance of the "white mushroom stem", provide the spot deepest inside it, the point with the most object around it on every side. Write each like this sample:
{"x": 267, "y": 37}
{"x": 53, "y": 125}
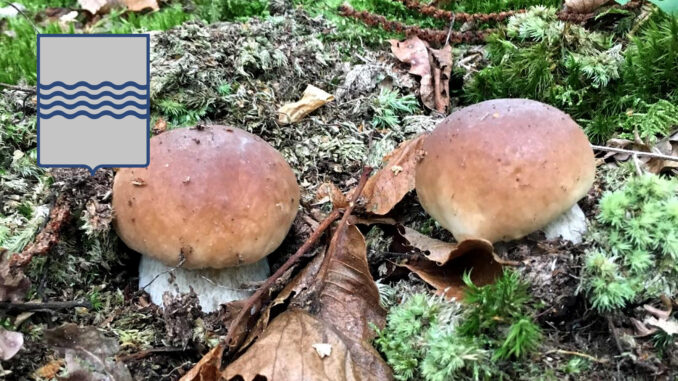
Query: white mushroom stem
{"x": 570, "y": 226}
{"x": 213, "y": 287}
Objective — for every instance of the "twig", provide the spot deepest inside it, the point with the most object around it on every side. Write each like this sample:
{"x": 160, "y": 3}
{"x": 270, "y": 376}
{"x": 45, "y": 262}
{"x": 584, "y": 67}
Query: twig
{"x": 632, "y": 152}
{"x": 38, "y": 306}
{"x": 48, "y": 237}
{"x": 584, "y": 355}
{"x": 35, "y": 28}
{"x": 636, "y": 164}
{"x": 148, "y": 352}
{"x": 250, "y": 304}
{"x": 18, "y": 88}
{"x": 432, "y": 11}
{"x": 182, "y": 260}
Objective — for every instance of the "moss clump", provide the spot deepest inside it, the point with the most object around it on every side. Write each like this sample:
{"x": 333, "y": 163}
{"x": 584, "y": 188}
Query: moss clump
{"x": 585, "y": 73}
{"x": 635, "y": 245}
{"x": 432, "y": 339}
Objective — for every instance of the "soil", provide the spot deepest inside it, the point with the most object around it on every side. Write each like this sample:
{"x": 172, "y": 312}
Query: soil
{"x": 331, "y": 145}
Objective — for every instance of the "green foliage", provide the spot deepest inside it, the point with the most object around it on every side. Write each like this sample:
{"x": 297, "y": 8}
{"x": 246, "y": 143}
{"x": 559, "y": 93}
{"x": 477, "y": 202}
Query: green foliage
{"x": 390, "y": 106}
{"x": 17, "y": 50}
{"x": 635, "y": 254}
{"x": 222, "y": 10}
{"x": 428, "y": 338}
{"x": 607, "y": 89}
{"x": 178, "y": 114}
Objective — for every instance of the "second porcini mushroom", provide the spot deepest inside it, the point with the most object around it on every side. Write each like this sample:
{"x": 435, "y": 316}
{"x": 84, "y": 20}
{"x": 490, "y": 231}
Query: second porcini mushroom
{"x": 501, "y": 169}
{"x": 212, "y": 204}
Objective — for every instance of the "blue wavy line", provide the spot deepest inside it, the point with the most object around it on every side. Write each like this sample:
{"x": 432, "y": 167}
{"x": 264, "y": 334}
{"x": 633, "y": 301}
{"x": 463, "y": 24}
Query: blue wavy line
{"x": 92, "y": 86}
{"x": 72, "y": 106}
{"x": 93, "y": 96}
{"x": 92, "y": 116}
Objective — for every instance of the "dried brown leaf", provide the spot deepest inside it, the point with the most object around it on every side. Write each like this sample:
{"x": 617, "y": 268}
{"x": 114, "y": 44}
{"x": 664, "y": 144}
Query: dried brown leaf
{"x": 312, "y": 99}
{"x": 49, "y": 370}
{"x": 89, "y": 354}
{"x": 447, "y": 279}
{"x": 103, "y": 6}
{"x": 667, "y": 146}
{"x": 14, "y": 283}
{"x": 10, "y": 343}
{"x": 344, "y": 301}
{"x": 208, "y": 368}
{"x": 391, "y": 183}
{"x": 160, "y": 126}
{"x": 439, "y": 251}
{"x": 434, "y": 66}
{"x": 584, "y": 6}
{"x": 329, "y": 192}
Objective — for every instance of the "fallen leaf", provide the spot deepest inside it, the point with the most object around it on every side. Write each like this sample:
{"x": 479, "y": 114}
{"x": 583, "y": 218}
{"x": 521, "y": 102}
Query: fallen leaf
{"x": 344, "y": 301}
{"x": 387, "y": 187}
{"x": 439, "y": 251}
{"x": 14, "y": 283}
{"x": 312, "y": 99}
{"x": 103, "y": 6}
{"x": 208, "y": 368}
{"x": 670, "y": 326}
{"x": 160, "y": 126}
{"x": 584, "y": 6}
{"x": 667, "y": 146}
{"x": 328, "y": 192}
{"x": 10, "y": 343}
{"x": 89, "y": 354}
{"x": 434, "y": 66}
{"x": 49, "y": 370}
{"x": 447, "y": 279}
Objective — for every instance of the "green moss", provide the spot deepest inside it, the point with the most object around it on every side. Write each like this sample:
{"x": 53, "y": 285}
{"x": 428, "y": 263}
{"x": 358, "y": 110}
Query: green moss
{"x": 428, "y": 338}
{"x": 635, "y": 254}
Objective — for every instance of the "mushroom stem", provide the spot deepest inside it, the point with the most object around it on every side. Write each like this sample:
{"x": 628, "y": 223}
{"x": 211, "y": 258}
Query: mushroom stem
{"x": 213, "y": 286}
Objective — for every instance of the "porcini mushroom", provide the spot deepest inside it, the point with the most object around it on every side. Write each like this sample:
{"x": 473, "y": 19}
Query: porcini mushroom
{"x": 214, "y": 202}
{"x": 501, "y": 169}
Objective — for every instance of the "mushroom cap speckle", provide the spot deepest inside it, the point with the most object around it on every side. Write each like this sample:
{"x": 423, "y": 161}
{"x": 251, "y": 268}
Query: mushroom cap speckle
{"x": 216, "y": 196}
{"x": 504, "y": 168}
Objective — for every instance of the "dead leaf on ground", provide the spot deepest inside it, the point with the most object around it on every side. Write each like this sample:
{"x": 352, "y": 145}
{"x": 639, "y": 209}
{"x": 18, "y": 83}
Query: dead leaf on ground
{"x": 49, "y": 370}
{"x": 103, "y": 6}
{"x": 391, "y": 183}
{"x": 584, "y": 6}
{"x": 434, "y": 66}
{"x": 312, "y": 99}
{"x": 344, "y": 301}
{"x": 14, "y": 283}
{"x": 89, "y": 354}
{"x": 160, "y": 126}
{"x": 328, "y": 192}
{"x": 10, "y": 343}
{"x": 208, "y": 368}
{"x": 448, "y": 278}
{"x": 667, "y": 146}
{"x": 439, "y": 251}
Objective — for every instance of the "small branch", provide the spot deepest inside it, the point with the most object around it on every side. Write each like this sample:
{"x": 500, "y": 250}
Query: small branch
{"x": 148, "y": 352}
{"x": 43, "y": 306}
{"x": 250, "y": 307}
{"x": 18, "y": 88}
{"x": 47, "y": 238}
{"x": 638, "y": 153}
{"x": 584, "y": 355}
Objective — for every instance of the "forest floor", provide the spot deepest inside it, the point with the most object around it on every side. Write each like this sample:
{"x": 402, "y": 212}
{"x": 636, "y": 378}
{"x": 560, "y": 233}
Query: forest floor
{"x": 239, "y": 73}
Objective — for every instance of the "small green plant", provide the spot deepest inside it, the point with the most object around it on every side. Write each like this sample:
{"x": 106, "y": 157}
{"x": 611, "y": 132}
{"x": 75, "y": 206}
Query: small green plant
{"x": 429, "y": 338}
{"x": 635, "y": 254}
{"x": 390, "y": 106}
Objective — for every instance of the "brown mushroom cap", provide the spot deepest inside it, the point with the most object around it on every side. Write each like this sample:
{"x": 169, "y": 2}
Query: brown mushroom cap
{"x": 504, "y": 168}
{"x": 218, "y": 196}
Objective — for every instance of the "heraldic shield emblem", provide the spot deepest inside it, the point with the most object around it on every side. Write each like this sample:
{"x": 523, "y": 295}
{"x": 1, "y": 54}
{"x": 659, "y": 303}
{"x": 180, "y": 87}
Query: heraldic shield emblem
{"x": 93, "y": 101}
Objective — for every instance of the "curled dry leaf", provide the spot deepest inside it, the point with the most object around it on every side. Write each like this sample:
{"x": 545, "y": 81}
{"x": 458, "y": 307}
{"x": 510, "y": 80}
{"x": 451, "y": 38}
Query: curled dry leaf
{"x": 344, "y": 301}
{"x": 103, "y": 6}
{"x": 445, "y": 264}
{"x": 584, "y": 6}
{"x": 14, "y": 283}
{"x": 89, "y": 354}
{"x": 329, "y": 192}
{"x": 432, "y": 65}
{"x": 208, "y": 368}
{"x": 439, "y": 251}
{"x": 391, "y": 183}
{"x": 10, "y": 343}
{"x": 312, "y": 99}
